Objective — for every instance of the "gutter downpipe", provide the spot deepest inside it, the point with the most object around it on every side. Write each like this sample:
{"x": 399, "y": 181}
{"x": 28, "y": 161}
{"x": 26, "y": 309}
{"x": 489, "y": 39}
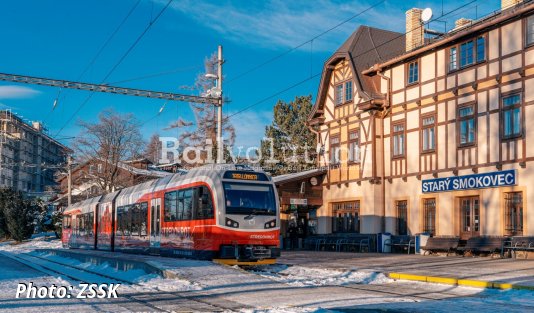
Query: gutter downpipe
{"x": 383, "y": 176}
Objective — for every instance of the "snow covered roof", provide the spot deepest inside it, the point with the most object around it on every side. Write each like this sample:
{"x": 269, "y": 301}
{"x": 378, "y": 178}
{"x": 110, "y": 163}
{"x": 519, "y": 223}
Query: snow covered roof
{"x": 286, "y": 178}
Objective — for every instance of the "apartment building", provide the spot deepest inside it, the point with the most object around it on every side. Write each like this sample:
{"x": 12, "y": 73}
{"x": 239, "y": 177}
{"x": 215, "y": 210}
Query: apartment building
{"x": 29, "y": 157}
{"x": 431, "y": 134}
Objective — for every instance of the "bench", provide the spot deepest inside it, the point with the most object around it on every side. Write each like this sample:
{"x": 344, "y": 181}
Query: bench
{"x": 348, "y": 243}
{"x": 441, "y": 244}
{"x": 483, "y": 244}
{"x": 401, "y": 242}
{"x": 518, "y": 244}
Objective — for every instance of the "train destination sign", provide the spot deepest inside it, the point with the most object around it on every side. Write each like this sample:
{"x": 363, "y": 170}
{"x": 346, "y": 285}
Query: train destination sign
{"x": 474, "y": 181}
{"x": 246, "y": 176}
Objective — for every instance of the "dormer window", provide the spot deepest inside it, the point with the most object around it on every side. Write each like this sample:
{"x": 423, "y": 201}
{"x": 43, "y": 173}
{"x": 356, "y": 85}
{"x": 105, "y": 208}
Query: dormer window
{"x": 467, "y": 53}
{"x": 343, "y": 92}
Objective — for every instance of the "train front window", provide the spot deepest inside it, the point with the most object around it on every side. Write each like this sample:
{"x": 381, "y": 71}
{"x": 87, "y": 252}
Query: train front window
{"x": 249, "y": 199}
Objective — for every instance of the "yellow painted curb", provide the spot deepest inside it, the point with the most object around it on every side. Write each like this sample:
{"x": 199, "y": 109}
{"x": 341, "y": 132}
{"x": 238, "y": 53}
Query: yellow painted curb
{"x": 458, "y": 282}
{"x": 442, "y": 280}
{"x": 475, "y": 283}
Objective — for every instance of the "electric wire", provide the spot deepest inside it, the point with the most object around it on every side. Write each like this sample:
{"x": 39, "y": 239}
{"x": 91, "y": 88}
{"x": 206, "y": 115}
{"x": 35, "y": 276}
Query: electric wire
{"x": 117, "y": 64}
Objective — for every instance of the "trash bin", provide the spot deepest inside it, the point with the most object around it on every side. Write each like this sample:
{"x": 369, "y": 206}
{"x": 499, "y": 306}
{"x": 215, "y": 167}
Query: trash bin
{"x": 420, "y": 241}
{"x": 381, "y": 241}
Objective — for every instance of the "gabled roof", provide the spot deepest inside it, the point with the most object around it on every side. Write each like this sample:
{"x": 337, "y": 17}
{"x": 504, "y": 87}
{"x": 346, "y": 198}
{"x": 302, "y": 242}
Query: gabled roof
{"x": 364, "y": 48}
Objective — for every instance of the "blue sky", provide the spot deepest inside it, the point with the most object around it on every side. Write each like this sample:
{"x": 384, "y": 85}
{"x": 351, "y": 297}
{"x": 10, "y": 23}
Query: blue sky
{"x": 58, "y": 39}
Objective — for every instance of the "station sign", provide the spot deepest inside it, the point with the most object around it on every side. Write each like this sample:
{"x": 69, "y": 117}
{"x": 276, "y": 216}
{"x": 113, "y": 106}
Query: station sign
{"x": 298, "y": 201}
{"x": 467, "y": 182}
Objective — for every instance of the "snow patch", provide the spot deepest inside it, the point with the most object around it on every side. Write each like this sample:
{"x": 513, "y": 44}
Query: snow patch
{"x": 300, "y": 276}
{"x": 287, "y": 310}
{"x": 31, "y": 245}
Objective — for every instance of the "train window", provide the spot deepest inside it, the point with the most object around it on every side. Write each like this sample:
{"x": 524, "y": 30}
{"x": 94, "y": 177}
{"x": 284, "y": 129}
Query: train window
{"x": 135, "y": 219}
{"x": 143, "y": 218}
{"x": 90, "y": 219}
{"x": 204, "y": 210}
{"x": 188, "y": 205}
{"x": 170, "y": 206}
{"x": 249, "y": 199}
{"x": 67, "y": 222}
{"x": 179, "y": 205}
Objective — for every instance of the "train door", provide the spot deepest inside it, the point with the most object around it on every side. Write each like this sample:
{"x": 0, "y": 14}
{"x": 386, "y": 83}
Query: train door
{"x": 469, "y": 217}
{"x": 155, "y": 222}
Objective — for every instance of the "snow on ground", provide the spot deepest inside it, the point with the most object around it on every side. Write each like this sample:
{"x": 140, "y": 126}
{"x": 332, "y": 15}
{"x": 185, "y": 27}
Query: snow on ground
{"x": 40, "y": 242}
{"x": 287, "y": 310}
{"x": 300, "y": 276}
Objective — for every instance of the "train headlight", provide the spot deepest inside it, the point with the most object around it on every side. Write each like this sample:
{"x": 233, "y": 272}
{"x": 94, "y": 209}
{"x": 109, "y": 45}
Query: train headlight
{"x": 231, "y": 223}
{"x": 270, "y": 224}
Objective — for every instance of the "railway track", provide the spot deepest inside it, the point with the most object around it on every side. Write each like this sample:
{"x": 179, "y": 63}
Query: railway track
{"x": 165, "y": 299}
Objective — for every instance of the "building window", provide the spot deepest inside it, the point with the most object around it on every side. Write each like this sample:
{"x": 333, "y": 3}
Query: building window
{"x": 99, "y": 168}
{"x": 343, "y": 92}
{"x": 530, "y": 30}
{"x": 398, "y": 140}
{"x": 402, "y": 217}
{"x": 469, "y": 52}
{"x": 453, "y": 59}
{"x": 429, "y": 216}
{"x": 466, "y": 53}
{"x": 429, "y": 133}
{"x": 413, "y": 72}
{"x": 348, "y": 91}
{"x": 514, "y": 213}
{"x": 481, "y": 49}
{"x": 354, "y": 146}
{"x": 334, "y": 150}
{"x": 511, "y": 113}
{"x": 346, "y": 217}
{"x": 466, "y": 120}
{"x": 339, "y": 94}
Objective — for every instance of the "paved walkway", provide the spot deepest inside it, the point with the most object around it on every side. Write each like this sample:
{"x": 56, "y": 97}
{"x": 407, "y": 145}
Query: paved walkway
{"x": 518, "y": 272}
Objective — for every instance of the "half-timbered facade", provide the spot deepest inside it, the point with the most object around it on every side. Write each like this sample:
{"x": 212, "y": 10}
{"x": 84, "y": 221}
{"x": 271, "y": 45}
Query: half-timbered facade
{"x": 445, "y": 144}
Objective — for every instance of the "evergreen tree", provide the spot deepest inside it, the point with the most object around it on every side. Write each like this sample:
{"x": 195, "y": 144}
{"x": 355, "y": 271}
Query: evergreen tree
{"x": 4, "y": 233}
{"x": 289, "y": 141}
{"x": 20, "y": 215}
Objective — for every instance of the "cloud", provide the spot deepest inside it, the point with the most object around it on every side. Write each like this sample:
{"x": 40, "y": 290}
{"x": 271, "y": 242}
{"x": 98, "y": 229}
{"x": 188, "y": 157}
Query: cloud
{"x": 17, "y": 92}
{"x": 279, "y": 24}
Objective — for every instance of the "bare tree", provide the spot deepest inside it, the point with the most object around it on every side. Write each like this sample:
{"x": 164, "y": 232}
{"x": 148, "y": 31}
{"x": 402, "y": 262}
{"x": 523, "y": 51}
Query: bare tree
{"x": 153, "y": 149}
{"x": 113, "y": 139}
{"x": 204, "y": 127}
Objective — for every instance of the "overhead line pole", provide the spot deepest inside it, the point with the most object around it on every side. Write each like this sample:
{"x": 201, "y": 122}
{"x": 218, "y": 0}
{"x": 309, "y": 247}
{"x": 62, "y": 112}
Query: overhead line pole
{"x": 220, "y": 148}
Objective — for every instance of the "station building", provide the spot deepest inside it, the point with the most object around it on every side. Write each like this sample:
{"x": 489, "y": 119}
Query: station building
{"x": 430, "y": 134}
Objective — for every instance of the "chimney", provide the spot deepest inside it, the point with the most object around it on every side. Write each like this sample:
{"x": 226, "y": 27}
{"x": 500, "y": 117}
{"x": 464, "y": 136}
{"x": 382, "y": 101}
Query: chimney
{"x": 506, "y": 4}
{"x": 38, "y": 126}
{"x": 462, "y": 22}
{"x": 415, "y": 35}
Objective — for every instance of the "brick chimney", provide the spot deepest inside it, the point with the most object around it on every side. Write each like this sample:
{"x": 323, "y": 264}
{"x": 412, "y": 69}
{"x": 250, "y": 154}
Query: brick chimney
{"x": 462, "y": 22}
{"x": 415, "y": 35}
{"x": 506, "y": 4}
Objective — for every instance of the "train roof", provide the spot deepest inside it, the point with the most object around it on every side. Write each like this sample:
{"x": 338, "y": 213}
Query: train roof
{"x": 131, "y": 194}
{"x": 84, "y": 206}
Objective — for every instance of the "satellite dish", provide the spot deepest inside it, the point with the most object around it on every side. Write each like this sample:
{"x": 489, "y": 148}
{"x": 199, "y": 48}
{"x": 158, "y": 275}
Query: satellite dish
{"x": 426, "y": 15}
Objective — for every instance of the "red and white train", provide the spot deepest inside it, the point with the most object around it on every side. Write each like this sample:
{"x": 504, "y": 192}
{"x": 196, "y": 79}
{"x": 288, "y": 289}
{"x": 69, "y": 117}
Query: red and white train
{"x": 223, "y": 212}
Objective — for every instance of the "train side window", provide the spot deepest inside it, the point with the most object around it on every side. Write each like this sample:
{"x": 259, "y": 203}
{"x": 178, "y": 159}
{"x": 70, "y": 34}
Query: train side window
{"x": 205, "y": 205}
{"x": 188, "y": 205}
{"x": 136, "y": 219}
{"x": 170, "y": 209}
{"x": 180, "y": 210}
{"x": 143, "y": 218}
{"x": 67, "y": 222}
{"x": 90, "y": 223}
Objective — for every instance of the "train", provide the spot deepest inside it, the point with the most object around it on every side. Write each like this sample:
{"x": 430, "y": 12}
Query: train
{"x": 223, "y": 212}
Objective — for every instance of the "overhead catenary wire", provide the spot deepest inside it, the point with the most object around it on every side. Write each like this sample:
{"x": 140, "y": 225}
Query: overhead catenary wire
{"x": 254, "y": 68}
{"x": 97, "y": 55}
{"x": 318, "y": 74}
{"x": 117, "y": 64}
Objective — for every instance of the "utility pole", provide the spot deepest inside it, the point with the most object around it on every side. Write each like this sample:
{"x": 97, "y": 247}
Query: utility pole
{"x": 69, "y": 180}
{"x": 220, "y": 148}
